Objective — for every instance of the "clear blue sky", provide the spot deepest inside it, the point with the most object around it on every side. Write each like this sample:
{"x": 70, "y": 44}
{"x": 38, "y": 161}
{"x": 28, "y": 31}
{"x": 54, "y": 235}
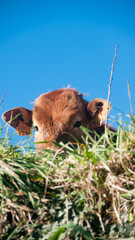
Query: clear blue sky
{"x": 46, "y": 45}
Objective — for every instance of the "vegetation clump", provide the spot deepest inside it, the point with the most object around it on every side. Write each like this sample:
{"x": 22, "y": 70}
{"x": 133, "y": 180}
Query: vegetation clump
{"x": 75, "y": 192}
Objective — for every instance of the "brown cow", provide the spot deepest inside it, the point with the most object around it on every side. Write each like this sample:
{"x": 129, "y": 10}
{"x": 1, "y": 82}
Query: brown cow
{"x": 57, "y": 116}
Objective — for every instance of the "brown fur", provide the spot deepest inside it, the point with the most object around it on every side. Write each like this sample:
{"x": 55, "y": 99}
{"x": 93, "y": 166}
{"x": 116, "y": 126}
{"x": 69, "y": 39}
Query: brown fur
{"x": 57, "y": 116}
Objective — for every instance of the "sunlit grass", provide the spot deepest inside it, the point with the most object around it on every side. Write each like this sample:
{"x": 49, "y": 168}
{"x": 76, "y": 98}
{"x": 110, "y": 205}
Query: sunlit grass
{"x": 83, "y": 191}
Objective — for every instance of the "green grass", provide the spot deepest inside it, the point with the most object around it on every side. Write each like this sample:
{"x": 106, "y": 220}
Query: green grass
{"x": 79, "y": 192}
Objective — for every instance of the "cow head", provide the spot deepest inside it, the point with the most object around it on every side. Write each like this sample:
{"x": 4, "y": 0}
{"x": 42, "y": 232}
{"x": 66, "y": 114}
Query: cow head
{"x": 57, "y": 116}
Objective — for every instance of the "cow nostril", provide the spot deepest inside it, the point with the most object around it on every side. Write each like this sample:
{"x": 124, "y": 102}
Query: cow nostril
{"x": 35, "y": 128}
{"x": 77, "y": 124}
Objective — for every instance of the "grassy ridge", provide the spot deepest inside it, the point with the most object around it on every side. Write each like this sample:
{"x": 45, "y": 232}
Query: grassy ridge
{"x": 83, "y": 192}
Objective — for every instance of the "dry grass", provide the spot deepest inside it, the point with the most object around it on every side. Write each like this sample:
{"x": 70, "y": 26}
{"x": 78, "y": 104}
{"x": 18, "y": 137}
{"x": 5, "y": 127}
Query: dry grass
{"x": 74, "y": 193}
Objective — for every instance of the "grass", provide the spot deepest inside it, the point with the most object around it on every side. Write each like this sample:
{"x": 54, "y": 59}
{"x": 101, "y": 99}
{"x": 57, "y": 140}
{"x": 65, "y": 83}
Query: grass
{"x": 79, "y": 192}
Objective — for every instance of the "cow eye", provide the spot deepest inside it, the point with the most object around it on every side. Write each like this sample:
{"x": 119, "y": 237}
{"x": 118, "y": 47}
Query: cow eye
{"x": 77, "y": 124}
{"x": 35, "y": 128}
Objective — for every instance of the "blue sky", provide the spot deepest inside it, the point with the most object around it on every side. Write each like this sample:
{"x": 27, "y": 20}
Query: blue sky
{"x": 46, "y": 45}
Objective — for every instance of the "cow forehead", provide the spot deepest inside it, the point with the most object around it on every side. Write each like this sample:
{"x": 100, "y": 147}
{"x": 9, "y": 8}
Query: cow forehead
{"x": 63, "y": 95}
{"x": 57, "y": 103}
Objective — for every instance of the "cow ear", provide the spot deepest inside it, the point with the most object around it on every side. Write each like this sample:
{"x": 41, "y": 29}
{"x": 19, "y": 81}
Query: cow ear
{"x": 19, "y": 118}
{"x": 98, "y": 110}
